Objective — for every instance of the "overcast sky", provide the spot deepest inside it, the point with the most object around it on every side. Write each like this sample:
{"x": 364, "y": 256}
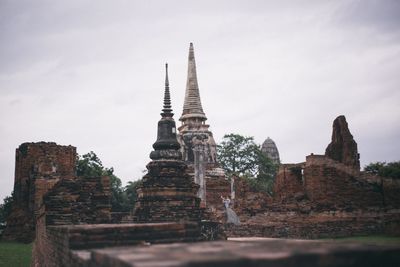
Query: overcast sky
{"x": 91, "y": 74}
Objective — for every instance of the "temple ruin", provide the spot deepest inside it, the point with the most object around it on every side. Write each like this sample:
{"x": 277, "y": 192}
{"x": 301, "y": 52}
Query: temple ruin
{"x": 332, "y": 180}
{"x": 326, "y": 196}
{"x": 70, "y": 217}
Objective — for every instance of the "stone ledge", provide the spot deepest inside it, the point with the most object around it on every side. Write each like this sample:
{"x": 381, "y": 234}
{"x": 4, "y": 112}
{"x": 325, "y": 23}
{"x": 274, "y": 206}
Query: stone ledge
{"x": 102, "y": 235}
{"x": 250, "y": 252}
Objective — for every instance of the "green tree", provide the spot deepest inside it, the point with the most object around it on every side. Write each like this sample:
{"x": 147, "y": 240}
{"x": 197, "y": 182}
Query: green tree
{"x": 238, "y": 155}
{"x": 5, "y": 208}
{"x": 391, "y": 169}
{"x": 241, "y": 156}
{"x": 90, "y": 165}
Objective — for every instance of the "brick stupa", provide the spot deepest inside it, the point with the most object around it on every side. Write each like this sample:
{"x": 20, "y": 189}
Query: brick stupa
{"x": 167, "y": 193}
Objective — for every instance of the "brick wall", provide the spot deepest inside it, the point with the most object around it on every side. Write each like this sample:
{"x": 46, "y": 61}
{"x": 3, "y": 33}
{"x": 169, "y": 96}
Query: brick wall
{"x": 51, "y": 246}
{"x": 329, "y": 184}
{"x": 328, "y": 224}
{"x": 249, "y": 202}
{"x": 390, "y": 188}
{"x": 70, "y": 201}
{"x": 289, "y": 183}
{"x": 80, "y": 200}
{"x": 391, "y": 191}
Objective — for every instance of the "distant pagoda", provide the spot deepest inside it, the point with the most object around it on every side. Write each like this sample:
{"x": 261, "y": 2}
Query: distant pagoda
{"x": 198, "y": 146}
{"x": 270, "y": 150}
{"x": 167, "y": 192}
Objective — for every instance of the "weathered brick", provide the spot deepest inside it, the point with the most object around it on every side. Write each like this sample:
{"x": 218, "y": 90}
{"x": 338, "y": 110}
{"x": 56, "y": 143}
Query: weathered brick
{"x": 38, "y": 167}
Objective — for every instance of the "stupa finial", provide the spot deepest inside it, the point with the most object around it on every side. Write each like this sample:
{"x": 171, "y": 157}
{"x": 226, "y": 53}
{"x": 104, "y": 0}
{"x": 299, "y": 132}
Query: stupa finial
{"x": 167, "y": 110}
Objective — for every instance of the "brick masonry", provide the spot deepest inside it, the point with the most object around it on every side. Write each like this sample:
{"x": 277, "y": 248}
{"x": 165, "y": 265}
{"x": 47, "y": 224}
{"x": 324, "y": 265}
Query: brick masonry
{"x": 330, "y": 185}
{"x": 323, "y": 224}
{"x": 38, "y": 167}
{"x": 79, "y": 201}
{"x": 71, "y": 201}
{"x": 289, "y": 183}
{"x": 333, "y": 185}
{"x": 167, "y": 194}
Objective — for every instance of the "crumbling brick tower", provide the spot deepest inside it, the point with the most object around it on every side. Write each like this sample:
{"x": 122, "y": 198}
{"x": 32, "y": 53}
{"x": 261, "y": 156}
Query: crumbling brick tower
{"x": 343, "y": 148}
{"x": 38, "y": 167}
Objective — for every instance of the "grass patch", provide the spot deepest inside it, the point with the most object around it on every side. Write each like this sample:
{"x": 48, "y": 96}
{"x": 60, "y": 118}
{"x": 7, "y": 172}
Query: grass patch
{"x": 15, "y": 254}
{"x": 373, "y": 239}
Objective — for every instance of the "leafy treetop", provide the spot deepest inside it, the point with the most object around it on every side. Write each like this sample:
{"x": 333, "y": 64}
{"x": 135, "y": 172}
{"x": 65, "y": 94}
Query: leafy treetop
{"x": 391, "y": 169}
{"x": 241, "y": 156}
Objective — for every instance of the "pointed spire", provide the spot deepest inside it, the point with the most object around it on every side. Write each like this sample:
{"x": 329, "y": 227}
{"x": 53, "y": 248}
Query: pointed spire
{"x": 167, "y": 110}
{"x": 166, "y": 146}
{"x": 192, "y": 106}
